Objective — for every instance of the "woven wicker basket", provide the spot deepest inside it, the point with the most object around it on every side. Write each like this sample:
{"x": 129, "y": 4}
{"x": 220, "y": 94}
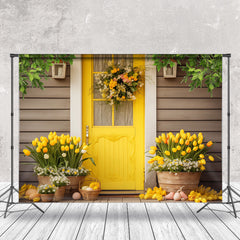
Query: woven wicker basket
{"x": 90, "y": 195}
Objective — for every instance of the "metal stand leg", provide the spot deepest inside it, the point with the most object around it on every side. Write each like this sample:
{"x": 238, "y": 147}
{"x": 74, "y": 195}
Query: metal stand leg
{"x": 228, "y": 189}
{"x": 11, "y": 189}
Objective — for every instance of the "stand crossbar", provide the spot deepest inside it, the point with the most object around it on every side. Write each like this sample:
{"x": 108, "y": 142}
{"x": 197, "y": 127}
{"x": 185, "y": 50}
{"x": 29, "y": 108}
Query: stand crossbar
{"x": 12, "y": 189}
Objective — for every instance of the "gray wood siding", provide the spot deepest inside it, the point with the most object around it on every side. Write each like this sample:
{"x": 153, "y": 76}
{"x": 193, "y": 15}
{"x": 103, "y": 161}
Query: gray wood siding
{"x": 194, "y": 111}
{"x": 42, "y": 111}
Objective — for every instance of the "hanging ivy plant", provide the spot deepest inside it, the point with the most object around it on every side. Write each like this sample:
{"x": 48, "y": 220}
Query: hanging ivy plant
{"x": 35, "y": 67}
{"x": 205, "y": 69}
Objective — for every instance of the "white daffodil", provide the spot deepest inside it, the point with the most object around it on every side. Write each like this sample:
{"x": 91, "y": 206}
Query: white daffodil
{"x": 83, "y": 151}
{"x": 64, "y": 154}
{"x": 46, "y": 156}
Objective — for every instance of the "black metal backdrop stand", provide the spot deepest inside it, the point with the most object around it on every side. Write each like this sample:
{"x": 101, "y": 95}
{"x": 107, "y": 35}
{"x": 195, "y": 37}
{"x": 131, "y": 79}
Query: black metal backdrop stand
{"x": 12, "y": 189}
{"x": 228, "y": 188}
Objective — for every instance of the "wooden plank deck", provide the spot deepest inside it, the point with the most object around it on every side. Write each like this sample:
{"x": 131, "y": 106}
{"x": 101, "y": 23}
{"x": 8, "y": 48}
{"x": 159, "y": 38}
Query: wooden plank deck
{"x": 122, "y": 220}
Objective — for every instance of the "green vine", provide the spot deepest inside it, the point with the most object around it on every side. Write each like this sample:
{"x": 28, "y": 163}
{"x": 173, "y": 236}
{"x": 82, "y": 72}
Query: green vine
{"x": 34, "y": 68}
{"x": 201, "y": 70}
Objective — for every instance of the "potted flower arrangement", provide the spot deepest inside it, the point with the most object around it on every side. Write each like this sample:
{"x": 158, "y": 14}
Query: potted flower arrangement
{"x": 46, "y": 192}
{"x": 179, "y": 160}
{"x": 119, "y": 83}
{"x": 60, "y": 182}
{"x": 55, "y": 154}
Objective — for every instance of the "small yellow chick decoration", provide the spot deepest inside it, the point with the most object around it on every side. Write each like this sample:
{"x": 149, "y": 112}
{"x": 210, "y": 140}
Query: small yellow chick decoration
{"x": 204, "y": 194}
{"x": 155, "y": 193}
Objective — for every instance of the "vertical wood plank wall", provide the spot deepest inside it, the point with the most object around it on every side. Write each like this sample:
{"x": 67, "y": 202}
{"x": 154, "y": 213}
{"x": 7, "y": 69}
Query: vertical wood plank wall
{"x": 195, "y": 111}
{"x": 42, "y": 111}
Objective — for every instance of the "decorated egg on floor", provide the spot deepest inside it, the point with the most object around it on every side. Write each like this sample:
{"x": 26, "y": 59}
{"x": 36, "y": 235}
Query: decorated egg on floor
{"x": 76, "y": 196}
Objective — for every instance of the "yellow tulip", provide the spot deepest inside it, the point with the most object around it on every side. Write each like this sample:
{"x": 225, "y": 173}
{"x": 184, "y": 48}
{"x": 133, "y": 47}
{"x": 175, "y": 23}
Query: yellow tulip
{"x": 38, "y": 150}
{"x": 187, "y": 142}
{"x": 181, "y": 131}
{"x": 202, "y": 168}
{"x": 188, "y": 150}
{"x": 77, "y": 150}
{"x": 194, "y": 136}
{"x": 201, "y": 156}
{"x": 34, "y": 143}
{"x": 211, "y": 158}
{"x": 201, "y": 146}
{"x": 40, "y": 144}
{"x": 26, "y": 152}
{"x": 203, "y": 161}
{"x": 45, "y": 150}
{"x": 178, "y": 147}
{"x": 200, "y": 141}
{"x": 62, "y": 141}
{"x": 183, "y": 153}
{"x": 52, "y": 142}
{"x": 75, "y": 142}
{"x": 184, "y": 136}
{"x": 66, "y": 148}
{"x": 157, "y": 140}
{"x": 68, "y": 140}
{"x": 188, "y": 134}
{"x": 44, "y": 143}
{"x": 174, "y": 150}
{"x": 195, "y": 149}
{"x": 167, "y": 153}
{"x": 36, "y": 140}
{"x": 62, "y": 148}
{"x": 152, "y": 152}
{"x": 79, "y": 139}
{"x": 161, "y": 160}
{"x": 152, "y": 160}
{"x": 71, "y": 146}
{"x": 153, "y": 148}
{"x": 191, "y": 138}
{"x": 209, "y": 144}
{"x": 181, "y": 141}
{"x": 194, "y": 143}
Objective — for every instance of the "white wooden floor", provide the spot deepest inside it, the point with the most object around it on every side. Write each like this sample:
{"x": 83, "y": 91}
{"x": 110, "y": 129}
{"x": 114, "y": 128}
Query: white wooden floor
{"x": 119, "y": 221}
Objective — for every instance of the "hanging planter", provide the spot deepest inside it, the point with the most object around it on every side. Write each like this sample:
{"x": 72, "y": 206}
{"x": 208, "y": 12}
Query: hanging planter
{"x": 170, "y": 71}
{"x": 59, "y": 70}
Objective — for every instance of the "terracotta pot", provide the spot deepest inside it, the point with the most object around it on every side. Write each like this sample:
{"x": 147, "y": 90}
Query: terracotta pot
{"x": 75, "y": 182}
{"x": 171, "y": 182}
{"x": 42, "y": 180}
{"x": 46, "y": 197}
{"x": 59, "y": 194}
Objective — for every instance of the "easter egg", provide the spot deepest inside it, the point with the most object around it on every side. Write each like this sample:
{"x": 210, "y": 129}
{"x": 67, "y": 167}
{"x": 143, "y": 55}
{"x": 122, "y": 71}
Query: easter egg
{"x": 76, "y": 196}
{"x": 89, "y": 189}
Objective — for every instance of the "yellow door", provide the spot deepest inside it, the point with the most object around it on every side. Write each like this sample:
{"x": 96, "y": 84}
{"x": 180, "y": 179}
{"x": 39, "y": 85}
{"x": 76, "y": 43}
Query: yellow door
{"x": 115, "y": 135}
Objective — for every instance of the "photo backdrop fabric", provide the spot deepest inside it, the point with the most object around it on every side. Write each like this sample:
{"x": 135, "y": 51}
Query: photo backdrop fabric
{"x": 211, "y": 27}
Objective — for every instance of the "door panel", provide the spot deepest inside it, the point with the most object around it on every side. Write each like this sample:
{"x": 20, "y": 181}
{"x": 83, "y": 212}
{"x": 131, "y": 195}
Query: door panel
{"x": 116, "y": 134}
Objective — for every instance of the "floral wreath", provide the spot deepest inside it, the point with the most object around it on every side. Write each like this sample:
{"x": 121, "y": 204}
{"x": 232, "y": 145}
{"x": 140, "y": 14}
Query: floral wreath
{"x": 119, "y": 83}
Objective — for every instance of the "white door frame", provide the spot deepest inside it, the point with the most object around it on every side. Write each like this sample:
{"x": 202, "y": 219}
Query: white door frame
{"x": 150, "y": 107}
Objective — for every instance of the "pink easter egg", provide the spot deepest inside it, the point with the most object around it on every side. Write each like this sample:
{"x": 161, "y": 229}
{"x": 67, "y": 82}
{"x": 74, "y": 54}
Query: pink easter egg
{"x": 76, "y": 196}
